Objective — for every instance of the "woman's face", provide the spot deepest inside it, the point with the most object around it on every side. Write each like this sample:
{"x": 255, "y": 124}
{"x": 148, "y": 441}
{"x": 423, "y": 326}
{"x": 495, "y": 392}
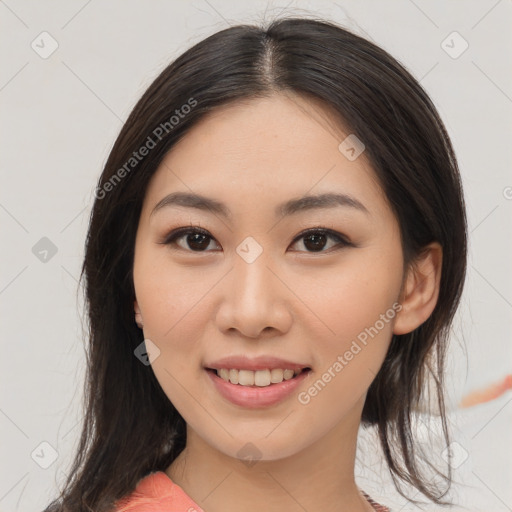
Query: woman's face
{"x": 251, "y": 283}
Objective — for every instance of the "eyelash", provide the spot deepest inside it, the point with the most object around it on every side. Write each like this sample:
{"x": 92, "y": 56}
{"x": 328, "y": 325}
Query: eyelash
{"x": 174, "y": 235}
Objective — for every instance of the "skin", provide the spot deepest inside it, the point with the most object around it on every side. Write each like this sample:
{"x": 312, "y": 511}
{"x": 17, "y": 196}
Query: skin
{"x": 292, "y": 302}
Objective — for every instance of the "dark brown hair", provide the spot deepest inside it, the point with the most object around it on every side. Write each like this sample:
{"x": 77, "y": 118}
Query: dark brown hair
{"x": 411, "y": 153}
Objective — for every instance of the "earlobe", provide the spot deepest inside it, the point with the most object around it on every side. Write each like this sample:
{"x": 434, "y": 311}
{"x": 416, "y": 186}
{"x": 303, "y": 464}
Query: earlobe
{"x": 138, "y": 315}
{"x": 421, "y": 289}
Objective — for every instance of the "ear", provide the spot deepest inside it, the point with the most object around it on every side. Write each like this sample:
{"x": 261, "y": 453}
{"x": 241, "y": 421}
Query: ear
{"x": 420, "y": 290}
{"x": 138, "y": 315}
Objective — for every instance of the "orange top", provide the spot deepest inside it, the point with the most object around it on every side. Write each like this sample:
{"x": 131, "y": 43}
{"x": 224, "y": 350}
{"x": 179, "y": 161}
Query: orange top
{"x": 157, "y": 492}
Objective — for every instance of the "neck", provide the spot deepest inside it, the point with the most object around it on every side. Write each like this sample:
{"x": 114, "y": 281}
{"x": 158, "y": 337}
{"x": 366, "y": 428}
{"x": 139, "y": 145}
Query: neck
{"x": 320, "y": 477}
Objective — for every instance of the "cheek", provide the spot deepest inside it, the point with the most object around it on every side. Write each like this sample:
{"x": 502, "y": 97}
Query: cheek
{"x": 166, "y": 294}
{"x": 359, "y": 310}
{"x": 174, "y": 306}
{"x": 174, "y": 303}
{"x": 356, "y": 304}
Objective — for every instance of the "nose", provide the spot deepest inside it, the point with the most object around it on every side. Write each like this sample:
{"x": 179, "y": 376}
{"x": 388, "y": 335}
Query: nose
{"x": 255, "y": 301}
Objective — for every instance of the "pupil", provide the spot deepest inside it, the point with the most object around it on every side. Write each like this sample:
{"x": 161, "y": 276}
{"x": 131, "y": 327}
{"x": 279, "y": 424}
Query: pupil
{"x": 316, "y": 245}
{"x": 197, "y": 238}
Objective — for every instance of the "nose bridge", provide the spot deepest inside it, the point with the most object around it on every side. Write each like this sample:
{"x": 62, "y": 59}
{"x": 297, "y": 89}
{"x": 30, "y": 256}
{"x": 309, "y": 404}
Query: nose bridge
{"x": 252, "y": 300}
{"x": 251, "y": 276}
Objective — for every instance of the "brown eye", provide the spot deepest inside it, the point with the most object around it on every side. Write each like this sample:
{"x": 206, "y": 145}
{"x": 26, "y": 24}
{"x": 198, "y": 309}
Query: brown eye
{"x": 196, "y": 240}
{"x": 315, "y": 240}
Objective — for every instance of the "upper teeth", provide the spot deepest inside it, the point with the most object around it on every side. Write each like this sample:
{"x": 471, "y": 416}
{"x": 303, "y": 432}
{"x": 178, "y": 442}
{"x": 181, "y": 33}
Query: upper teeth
{"x": 258, "y": 377}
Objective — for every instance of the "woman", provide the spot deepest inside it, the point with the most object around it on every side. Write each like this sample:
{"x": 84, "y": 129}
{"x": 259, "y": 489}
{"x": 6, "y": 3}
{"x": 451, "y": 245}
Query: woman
{"x": 275, "y": 255}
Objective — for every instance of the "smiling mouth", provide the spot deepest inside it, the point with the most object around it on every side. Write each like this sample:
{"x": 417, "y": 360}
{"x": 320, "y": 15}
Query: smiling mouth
{"x": 258, "y": 378}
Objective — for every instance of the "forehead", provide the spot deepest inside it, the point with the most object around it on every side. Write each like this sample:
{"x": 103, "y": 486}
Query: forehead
{"x": 264, "y": 149}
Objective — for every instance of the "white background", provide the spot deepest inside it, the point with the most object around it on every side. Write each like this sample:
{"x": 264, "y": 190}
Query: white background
{"x": 60, "y": 117}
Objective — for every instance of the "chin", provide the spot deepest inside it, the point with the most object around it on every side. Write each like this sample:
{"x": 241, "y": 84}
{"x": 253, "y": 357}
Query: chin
{"x": 253, "y": 449}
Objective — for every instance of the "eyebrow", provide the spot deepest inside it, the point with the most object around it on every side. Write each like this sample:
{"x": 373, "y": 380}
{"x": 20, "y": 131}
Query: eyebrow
{"x": 291, "y": 207}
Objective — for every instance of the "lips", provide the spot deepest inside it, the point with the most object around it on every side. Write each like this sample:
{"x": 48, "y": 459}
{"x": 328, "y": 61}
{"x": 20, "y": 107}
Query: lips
{"x": 261, "y": 393}
{"x": 253, "y": 397}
